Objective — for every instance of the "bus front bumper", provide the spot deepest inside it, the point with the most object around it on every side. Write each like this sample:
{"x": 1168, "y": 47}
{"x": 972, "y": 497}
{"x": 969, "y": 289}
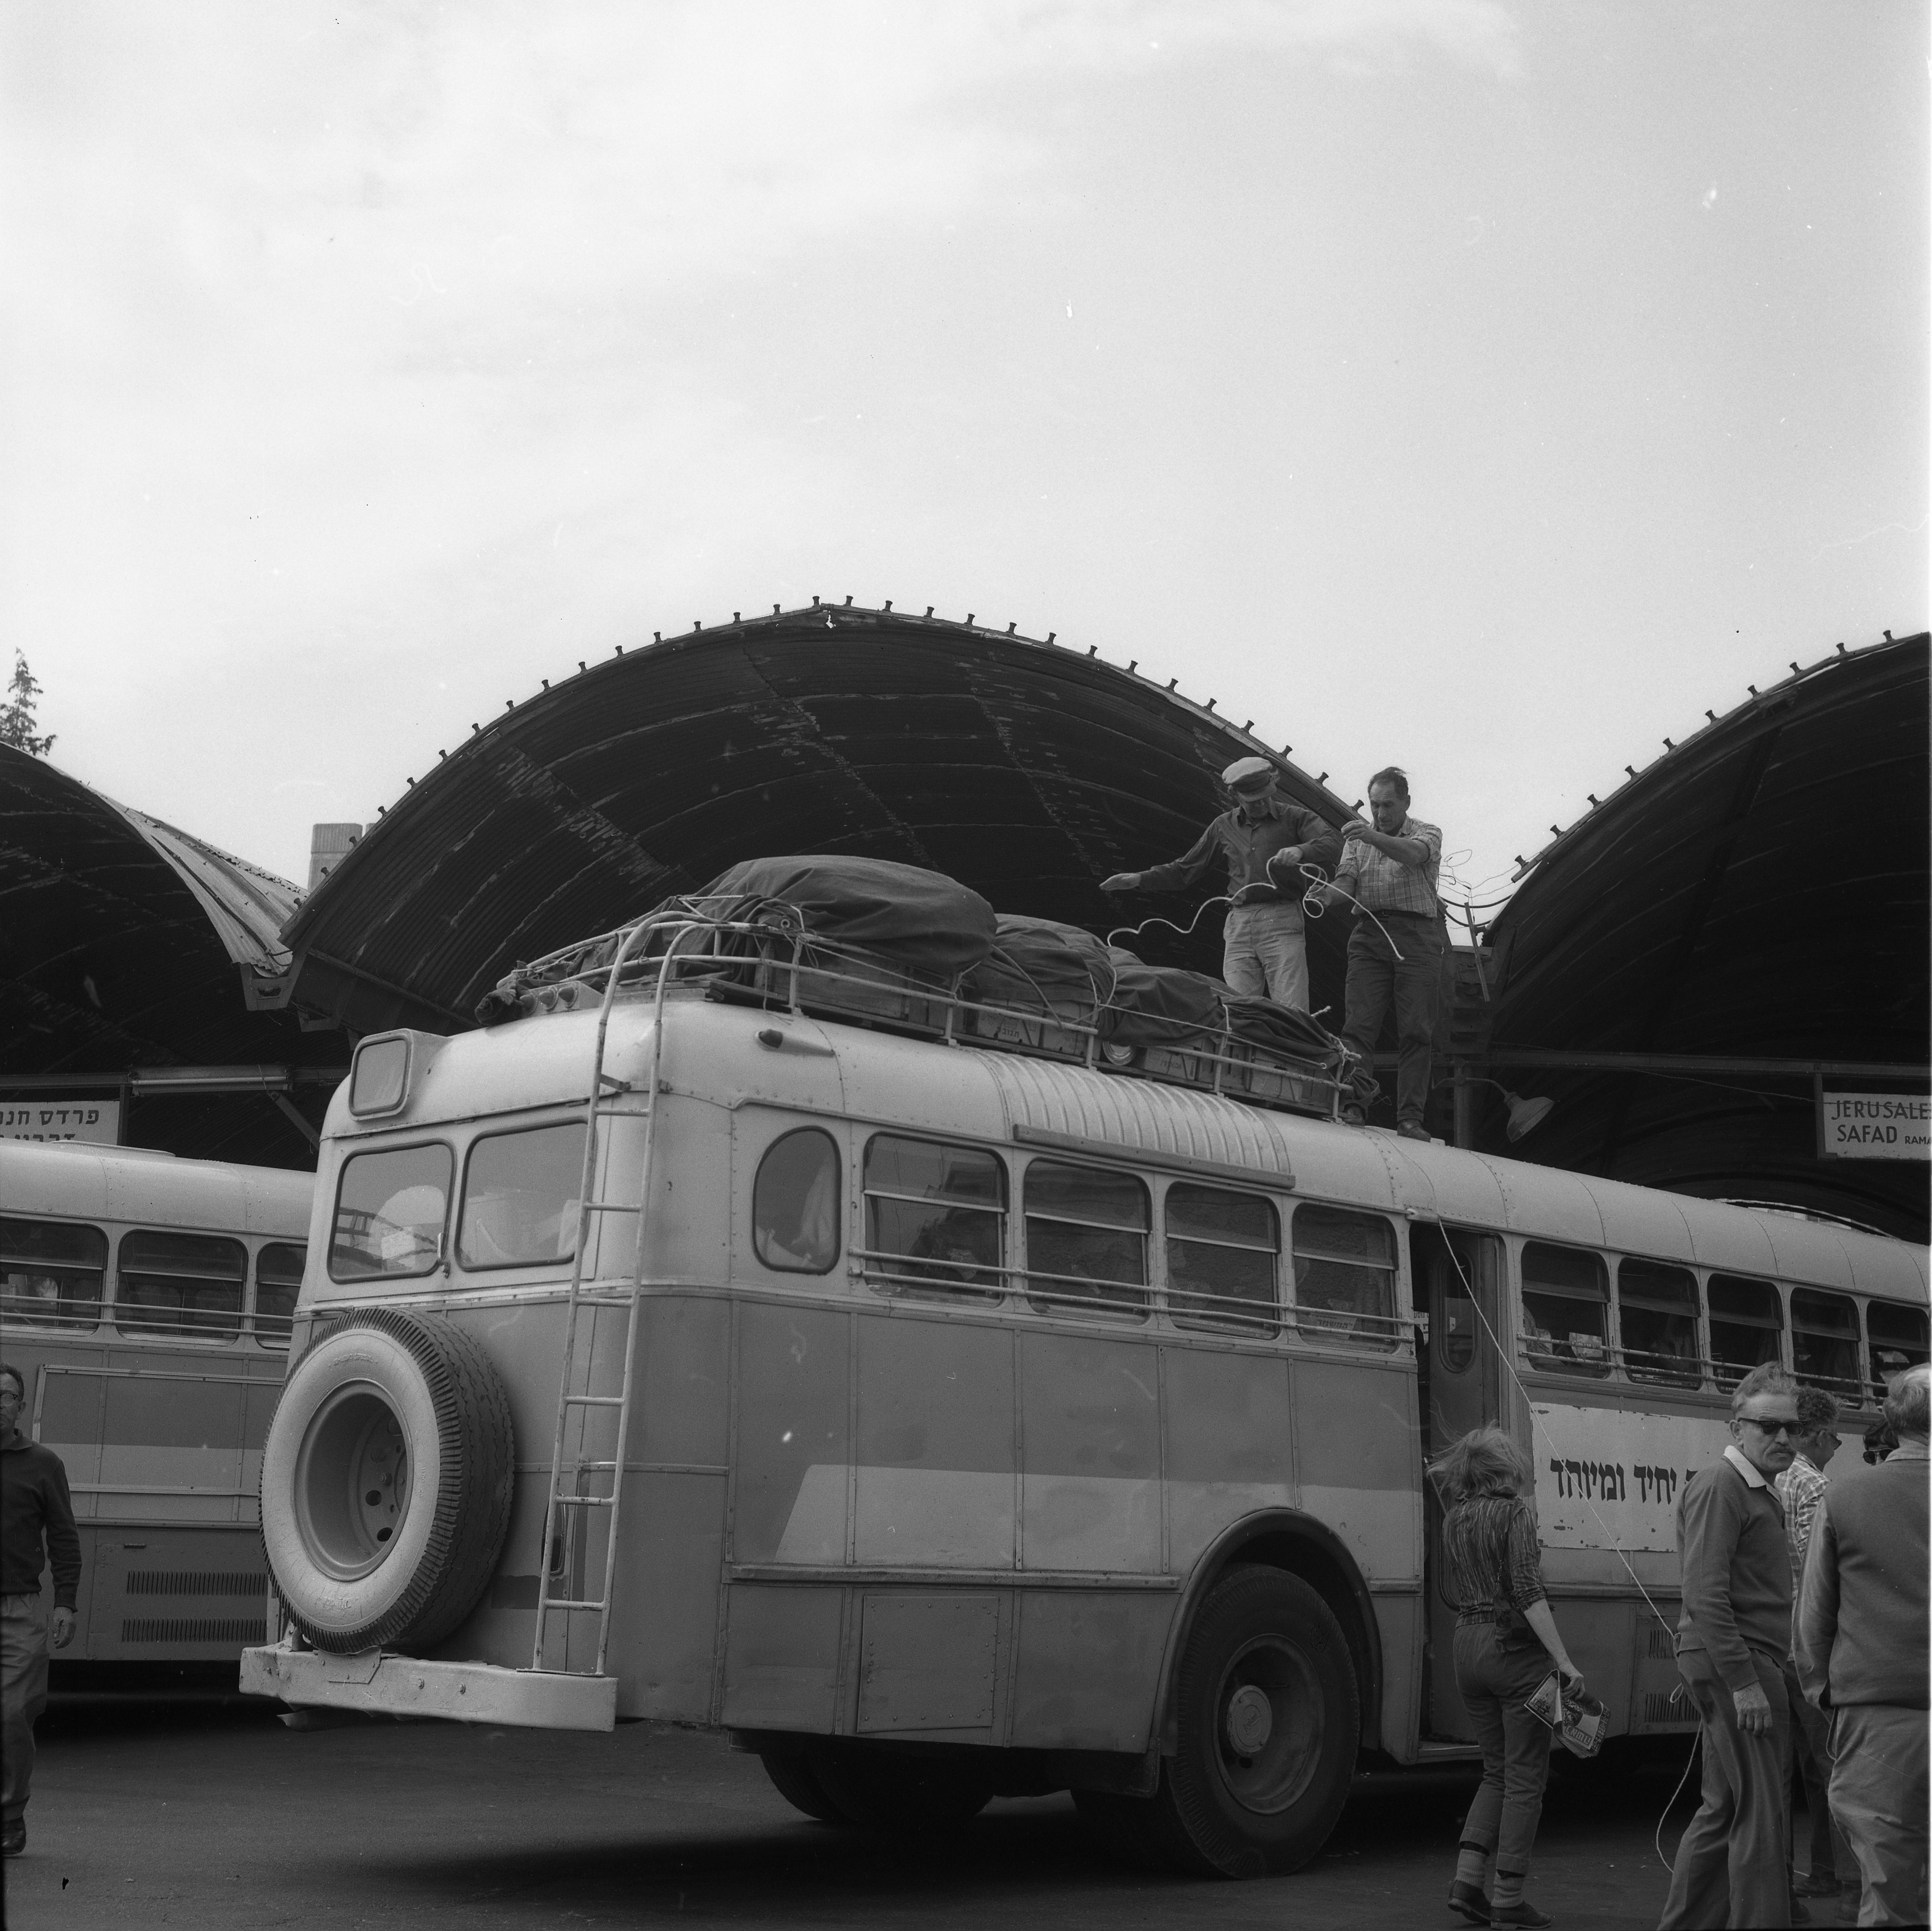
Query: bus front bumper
{"x": 465, "y": 1692}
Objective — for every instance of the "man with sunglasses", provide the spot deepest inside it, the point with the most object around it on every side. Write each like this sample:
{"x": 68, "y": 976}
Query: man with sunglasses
{"x": 1732, "y": 1643}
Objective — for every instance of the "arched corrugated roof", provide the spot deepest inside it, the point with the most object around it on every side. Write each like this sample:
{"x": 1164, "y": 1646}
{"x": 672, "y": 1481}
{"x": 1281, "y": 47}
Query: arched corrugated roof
{"x": 1759, "y": 891}
{"x": 1027, "y": 771}
{"x": 125, "y": 942}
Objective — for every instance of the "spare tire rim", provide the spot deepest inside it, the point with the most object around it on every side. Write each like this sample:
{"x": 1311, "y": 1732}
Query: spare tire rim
{"x": 352, "y": 1482}
{"x": 1268, "y": 1720}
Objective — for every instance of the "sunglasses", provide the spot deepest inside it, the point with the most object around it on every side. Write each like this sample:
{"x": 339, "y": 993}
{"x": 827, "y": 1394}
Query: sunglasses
{"x": 1790, "y": 1430}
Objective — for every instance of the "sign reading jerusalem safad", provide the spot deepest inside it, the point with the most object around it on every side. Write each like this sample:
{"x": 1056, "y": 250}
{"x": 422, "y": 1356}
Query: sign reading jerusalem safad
{"x": 96, "y": 1121}
{"x": 1606, "y": 1480}
{"x": 1875, "y": 1126}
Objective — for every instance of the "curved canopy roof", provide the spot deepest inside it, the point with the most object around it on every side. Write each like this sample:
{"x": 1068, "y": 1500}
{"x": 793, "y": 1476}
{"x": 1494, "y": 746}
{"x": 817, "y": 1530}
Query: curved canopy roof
{"x": 1760, "y": 891}
{"x": 125, "y": 942}
{"x": 1024, "y": 770}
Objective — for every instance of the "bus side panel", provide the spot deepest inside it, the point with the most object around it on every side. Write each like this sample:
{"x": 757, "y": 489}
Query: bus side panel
{"x": 178, "y": 1434}
{"x": 1090, "y": 1437}
{"x": 1088, "y": 1666}
{"x": 1230, "y": 1444}
{"x": 155, "y": 1592}
{"x": 793, "y": 1450}
{"x": 782, "y": 1656}
{"x": 665, "y": 1627}
{"x": 72, "y": 1396}
{"x": 934, "y": 1484}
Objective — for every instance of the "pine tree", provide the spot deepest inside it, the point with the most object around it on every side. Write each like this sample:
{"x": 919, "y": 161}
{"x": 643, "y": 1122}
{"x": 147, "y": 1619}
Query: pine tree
{"x": 16, "y": 716}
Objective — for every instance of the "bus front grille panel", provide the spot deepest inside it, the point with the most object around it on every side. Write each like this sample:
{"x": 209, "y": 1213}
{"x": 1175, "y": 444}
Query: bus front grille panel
{"x": 195, "y": 1582}
{"x": 192, "y": 1630}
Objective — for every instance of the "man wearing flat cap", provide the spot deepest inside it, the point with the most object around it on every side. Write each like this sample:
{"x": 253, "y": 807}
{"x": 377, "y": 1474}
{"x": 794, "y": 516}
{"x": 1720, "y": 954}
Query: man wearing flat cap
{"x": 1265, "y": 840}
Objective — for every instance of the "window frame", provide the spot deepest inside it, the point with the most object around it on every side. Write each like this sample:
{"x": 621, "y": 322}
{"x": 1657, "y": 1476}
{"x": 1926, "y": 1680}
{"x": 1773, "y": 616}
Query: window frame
{"x": 1260, "y": 1326}
{"x": 442, "y": 1255}
{"x": 1713, "y": 1320}
{"x": 174, "y": 1331}
{"x": 459, "y": 1198}
{"x": 1394, "y": 1330}
{"x": 838, "y": 1201}
{"x": 62, "y": 1323}
{"x": 1575, "y": 1368}
{"x": 1873, "y": 1385}
{"x": 1063, "y": 1300}
{"x": 1698, "y": 1367}
{"x": 1835, "y": 1384}
{"x": 873, "y": 1261}
{"x": 255, "y": 1315}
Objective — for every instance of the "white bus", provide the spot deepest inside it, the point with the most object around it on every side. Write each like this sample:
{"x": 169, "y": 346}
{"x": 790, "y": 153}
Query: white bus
{"x": 146, "y": 1302}
{"x": 978, "y": 1413}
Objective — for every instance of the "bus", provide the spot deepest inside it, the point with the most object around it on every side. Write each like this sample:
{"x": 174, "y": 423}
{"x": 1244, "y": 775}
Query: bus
{"x": 947, "y": 1408}
{"x": 146, "y": 1302}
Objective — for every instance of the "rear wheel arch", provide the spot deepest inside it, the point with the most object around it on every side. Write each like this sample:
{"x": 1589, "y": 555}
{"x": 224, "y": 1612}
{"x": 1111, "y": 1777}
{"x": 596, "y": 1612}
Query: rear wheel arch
{"x": 1286, "y": 1539}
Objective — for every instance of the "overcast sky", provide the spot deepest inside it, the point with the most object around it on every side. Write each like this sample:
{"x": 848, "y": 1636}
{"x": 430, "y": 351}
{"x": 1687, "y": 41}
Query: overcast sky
{"x": 1490, "y": 388}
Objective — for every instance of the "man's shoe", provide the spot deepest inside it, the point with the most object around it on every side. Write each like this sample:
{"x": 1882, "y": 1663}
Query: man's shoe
{"x": 1812, "y": 1885}
{"x": 13, "y": 1839}
{"x": 1469, "y": 1901}
{"x": 1408, "y": 1130}
{"x": 1524, "y": 1914}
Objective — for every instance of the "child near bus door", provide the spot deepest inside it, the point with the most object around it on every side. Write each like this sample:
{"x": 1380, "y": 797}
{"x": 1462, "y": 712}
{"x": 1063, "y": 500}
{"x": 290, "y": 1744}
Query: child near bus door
{"x": 1506, "y": 1641}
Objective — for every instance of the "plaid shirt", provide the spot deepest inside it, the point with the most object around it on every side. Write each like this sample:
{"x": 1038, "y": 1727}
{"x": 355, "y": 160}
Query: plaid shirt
{"x": 1489, "y": 1555}
{"x": 1800, "y": 1488}
{"x": 1384, "y": 884}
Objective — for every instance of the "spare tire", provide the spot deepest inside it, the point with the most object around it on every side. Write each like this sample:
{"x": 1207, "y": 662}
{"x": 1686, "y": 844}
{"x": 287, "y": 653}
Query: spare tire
{"x": 386, "y": 1481}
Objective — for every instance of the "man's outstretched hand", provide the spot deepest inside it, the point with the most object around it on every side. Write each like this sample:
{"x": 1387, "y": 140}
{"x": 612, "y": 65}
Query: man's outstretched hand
{"x": 1121, "y": 882}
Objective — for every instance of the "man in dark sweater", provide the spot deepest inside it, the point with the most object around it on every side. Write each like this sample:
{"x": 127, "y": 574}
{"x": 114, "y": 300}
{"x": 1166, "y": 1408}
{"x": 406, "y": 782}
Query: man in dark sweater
{"x": 1860, "y": 1645}
{"x": 34, "y": 1511}
{"x": 1731, "y": 1647}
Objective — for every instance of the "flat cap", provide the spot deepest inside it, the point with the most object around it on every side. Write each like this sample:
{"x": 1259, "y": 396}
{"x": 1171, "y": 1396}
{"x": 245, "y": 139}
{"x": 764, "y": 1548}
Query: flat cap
{"x": 1248, "y": 774}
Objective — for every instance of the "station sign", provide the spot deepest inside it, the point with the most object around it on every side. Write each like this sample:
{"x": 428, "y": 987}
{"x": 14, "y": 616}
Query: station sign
{"x": 95, "y": 1123}
{"x": 1875, "y": 1126}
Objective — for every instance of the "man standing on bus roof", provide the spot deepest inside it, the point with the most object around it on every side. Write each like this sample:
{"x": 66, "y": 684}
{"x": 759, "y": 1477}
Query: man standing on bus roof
{"x": 1388, "y": 877}
{"x": 1265, "y": 841}
{"x": 34, "y": 1507}
{"x": 1862, "y": 1617}
{"x": 1732, "y": 1642}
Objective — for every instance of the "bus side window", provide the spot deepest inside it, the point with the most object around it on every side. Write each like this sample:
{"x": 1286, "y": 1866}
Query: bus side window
{"x": 1825, "y": 1341}
{"x": 1565, "y": 1303}
{"x": 1344, "y": 1277}
{"x": 278, "y": 1273}
{"x": 1747, "y": 1326}
{"x": 520, "y": 1197}
{"x": 1657, "y": 1306}
{"x": 935, "y": 1219}
{"x": 389, "y": 1213}
{"x": 180, "y": 1283}
{"x": 795, "y": 1203}
{"x": 1897, "y": 1340}
{"x": 1221, "y": 1251}
{"x": 51, "y": 1273}
{"x": 1086, "y": 1240}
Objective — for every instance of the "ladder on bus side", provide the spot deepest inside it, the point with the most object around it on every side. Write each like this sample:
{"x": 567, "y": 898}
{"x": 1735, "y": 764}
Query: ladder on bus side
{"x": 569, "y": 1500}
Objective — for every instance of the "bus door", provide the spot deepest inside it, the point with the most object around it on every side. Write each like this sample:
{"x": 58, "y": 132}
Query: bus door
{"x": 1457, "y": 1277}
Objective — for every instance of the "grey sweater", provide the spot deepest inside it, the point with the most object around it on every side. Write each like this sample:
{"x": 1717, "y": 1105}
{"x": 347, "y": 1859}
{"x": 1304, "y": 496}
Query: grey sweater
{"x": 1737, "y": 1573}
{"x": 1861, "y": 1633}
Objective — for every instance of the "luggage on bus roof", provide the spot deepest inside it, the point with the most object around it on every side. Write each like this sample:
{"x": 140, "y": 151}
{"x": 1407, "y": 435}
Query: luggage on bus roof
{"x": 1159, "y": 1005}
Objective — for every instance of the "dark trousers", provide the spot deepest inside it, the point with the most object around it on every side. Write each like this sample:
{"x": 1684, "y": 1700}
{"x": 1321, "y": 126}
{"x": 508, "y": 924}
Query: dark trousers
{"x": 1730, "y": 1865}
{"x": 1413, "y": 984}
{"x": 1811, "y": 1782}
{"x": 1495, "y": 1682}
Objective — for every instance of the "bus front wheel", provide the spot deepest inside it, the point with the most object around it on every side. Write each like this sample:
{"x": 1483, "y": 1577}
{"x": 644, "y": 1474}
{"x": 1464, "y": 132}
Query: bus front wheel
{"x": 1268, "y": 1723}
{"x": 794, "y": 1780}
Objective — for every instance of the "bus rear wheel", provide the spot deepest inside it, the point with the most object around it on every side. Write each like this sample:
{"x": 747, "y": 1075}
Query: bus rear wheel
{"x": 794, "y": 1780}
{"x": 1269, "y": 1720}
{"x": 906, "y": 1795}
{"x": 386, "y": 1482}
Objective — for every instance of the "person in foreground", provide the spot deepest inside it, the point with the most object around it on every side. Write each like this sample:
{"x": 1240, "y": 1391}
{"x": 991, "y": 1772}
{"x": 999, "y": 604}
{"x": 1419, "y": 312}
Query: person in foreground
{"x": 1732, "y": 1643}
{"x": 1861, "y": 1647}
{"x": 1506, "y": 1641}
{"x": 34, "y": 1507}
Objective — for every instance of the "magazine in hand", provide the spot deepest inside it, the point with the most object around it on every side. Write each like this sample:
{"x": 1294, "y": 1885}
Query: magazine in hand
{"x": 1579, "y": 1719}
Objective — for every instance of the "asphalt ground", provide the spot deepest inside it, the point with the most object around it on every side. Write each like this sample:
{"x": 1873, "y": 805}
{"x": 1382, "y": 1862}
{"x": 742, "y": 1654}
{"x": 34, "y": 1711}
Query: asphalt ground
{"x": 201, "y": 1816}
